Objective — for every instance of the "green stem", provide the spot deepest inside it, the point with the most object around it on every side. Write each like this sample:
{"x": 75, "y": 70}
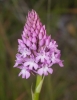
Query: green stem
{"x": 39, "y": 82}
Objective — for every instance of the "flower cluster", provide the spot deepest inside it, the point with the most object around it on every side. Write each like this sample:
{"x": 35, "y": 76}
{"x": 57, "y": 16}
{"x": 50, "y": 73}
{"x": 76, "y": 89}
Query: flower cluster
{"x": 37, "y": 52}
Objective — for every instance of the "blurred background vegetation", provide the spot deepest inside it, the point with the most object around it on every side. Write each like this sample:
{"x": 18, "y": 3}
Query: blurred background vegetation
{"x": 60, "y": 18}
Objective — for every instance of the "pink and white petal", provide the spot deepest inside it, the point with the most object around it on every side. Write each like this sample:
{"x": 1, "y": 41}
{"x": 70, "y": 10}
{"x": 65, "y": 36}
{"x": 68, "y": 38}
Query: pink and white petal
{"x": 23, "y": 73}
{"x": 20, "y": 41}
{"x": 50, "y": 70}
{"x": 34, "y": 40}
{"x": 37, "y": 58}
{"x": 16, "y": 64}
{"x": 61, "y": 64}
{"x": 45, "y": 71}
{"x": 40, "y": 71}
{"x": 20, "y": 73}
{"x": 34, "y": 47}
{"x": 40, "y": 36}
{"x": 28, "y": 43}
{"x": 35, "y": 66}
{"x": 30, "y": 67}
{"x": 24, "y": 39}
{"x": 27, "y": 74}
{"x": 20, "y": 67}
{"x": 41, "y": 42}
{"x": 42, "y": 59}
{"x": 26, "y": 64}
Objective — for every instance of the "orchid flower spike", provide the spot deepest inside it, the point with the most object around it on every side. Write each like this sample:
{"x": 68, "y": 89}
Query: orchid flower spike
{"x": 37, "y": 52}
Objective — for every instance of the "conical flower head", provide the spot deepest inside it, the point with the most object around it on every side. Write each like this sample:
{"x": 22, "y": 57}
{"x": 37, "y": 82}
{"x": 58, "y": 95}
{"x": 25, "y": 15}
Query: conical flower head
{"x": 37, "y": 52}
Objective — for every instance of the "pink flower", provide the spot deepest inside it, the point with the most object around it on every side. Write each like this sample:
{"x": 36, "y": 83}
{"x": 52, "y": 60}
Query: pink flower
{"x": 45, "y": 70}
{"x": 37, "y": 52}
{"x": 25, "y": 73}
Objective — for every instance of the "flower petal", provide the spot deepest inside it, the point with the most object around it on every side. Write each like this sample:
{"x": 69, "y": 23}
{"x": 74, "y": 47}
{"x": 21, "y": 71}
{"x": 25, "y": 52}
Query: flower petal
{"x": 24, "y": 73}
{"x": 27, "y": 74}
{"x": 40, "y": 71}
{"x": 50, "y": 70}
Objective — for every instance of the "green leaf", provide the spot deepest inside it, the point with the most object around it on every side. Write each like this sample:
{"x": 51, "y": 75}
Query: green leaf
{"x": 38, "y": 89}
{"x": 32, "y": 92}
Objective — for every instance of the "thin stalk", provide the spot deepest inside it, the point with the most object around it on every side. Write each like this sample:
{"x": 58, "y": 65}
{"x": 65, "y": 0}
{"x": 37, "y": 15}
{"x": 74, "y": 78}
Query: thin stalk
{"x": 39, "y": 82}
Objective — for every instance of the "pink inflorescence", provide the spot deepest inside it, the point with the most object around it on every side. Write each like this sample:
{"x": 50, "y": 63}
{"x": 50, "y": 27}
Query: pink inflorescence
{"x": 37, "y": 52}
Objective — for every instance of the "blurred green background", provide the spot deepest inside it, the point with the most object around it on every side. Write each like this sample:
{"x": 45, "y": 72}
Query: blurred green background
{"x": 60, "y": 18}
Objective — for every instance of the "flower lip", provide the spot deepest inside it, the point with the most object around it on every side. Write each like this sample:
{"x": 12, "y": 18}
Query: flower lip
{"x": 25, "y": 73}
{"x": 45, "y": 70}
{"x": 31, "y": 64}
